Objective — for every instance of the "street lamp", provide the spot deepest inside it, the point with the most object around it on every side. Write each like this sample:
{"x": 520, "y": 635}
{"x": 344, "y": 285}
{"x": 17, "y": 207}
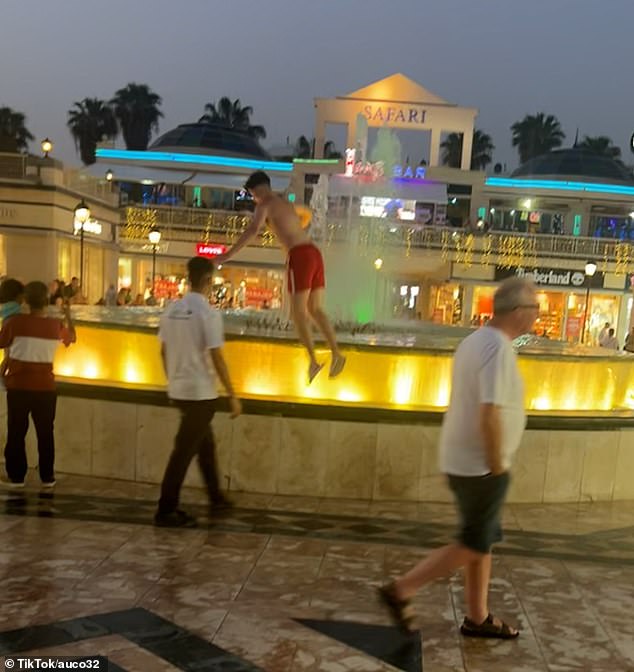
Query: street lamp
{"x": 155, "y": 239}
{"x": 82, "y": 215}
{"x": 109, "y": 175}
{"x": 591, "y": 269}
{"x": 47, "y": 147}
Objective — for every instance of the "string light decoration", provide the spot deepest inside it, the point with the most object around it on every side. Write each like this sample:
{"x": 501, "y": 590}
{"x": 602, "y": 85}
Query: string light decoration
{"x": 511, "y": 251}
{"x": 444, "y": 239}
{"x": 139, "y": 222}
{"x": 604, "y": 263}
{"x": 268, "y": 238}
{"x": 468, "y": 252}
{"x": 623, "y": 254}
{"x": 531, "y": 252}
{"x": 487, "y": 247}
{"x": 408, "y": 241}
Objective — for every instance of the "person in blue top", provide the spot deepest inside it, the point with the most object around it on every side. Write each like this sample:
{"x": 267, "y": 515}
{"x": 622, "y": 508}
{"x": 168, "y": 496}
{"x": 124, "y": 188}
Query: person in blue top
{"x": 11, "y": 300}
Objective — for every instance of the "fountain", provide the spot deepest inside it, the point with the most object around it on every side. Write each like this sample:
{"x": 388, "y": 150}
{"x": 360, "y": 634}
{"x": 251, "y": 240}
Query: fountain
{"x": 357, "y": 290}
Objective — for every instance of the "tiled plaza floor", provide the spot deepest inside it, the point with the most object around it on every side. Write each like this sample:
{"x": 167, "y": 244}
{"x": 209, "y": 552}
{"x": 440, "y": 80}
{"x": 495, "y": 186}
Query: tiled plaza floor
{"x": 267, "y": 586}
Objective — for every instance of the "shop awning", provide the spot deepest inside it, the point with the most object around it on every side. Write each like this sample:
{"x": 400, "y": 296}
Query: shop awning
{"x": 151, "y": 175}
{"x": 424, "y": 191}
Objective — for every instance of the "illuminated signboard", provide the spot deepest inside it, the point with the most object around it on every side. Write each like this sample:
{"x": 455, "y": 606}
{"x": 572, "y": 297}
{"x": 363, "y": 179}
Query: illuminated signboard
{"x": 210, "y": 250}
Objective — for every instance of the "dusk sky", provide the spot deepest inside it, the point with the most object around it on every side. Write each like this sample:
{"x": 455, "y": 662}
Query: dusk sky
{"x": 570, "y": 58}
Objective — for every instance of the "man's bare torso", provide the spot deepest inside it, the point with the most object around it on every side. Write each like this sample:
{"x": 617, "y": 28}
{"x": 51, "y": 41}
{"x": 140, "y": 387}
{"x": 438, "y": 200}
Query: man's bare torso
{"x": 283, "y": 220}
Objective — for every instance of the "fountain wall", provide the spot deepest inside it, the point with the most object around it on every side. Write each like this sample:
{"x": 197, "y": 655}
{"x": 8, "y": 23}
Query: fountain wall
{"x": 371, "y": 434}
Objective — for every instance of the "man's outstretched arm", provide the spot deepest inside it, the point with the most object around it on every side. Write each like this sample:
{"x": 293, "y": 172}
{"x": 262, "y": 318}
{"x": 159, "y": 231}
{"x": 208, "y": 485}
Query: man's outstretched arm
{"x": 256, "y": 225}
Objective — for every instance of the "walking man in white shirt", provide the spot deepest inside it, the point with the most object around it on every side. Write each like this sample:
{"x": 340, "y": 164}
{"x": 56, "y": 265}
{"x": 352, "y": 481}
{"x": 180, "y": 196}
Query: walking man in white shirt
{"x": 481, "y": 431}
{"x": 191, "y": 333}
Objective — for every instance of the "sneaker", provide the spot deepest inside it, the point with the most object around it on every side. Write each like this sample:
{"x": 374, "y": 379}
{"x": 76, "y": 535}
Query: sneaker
{"x": 48, "y": 485}
{"x": 13, "y": 485}
{"x": 176, "y": 518}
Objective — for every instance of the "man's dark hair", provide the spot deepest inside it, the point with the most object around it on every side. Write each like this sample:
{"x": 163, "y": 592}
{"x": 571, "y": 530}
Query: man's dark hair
{"x": 257, "y": 179}
{"x": 197, "y": 268}
{"x": 36, "y": 295}
{"x": 11, "y": 290}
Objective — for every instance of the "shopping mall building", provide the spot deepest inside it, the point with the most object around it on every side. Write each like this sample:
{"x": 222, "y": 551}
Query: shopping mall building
{"x": 421, "y": 240}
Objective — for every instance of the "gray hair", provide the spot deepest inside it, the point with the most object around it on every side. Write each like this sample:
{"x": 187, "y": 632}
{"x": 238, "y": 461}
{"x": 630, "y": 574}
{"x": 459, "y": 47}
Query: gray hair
{"x": 511, "y": 294}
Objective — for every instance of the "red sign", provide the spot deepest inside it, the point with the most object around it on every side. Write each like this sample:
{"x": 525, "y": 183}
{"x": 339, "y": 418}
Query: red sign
{"x": 573, "y": 327}
{"x": 210, "y": 249}
{"x": 256, "y": 296}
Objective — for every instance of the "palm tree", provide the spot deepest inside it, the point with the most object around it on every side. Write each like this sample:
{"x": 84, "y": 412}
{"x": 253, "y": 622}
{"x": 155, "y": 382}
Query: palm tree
{"x": 303, "y": 148}
{"x": 602, "y": 145}
{"x": 137, "y": 109}
{"x": 232, "y": 114}
{"x": 536, "y": 134}
{"x": 90, "y": 121}
{"x": 330, "y": 151}
{"x": 14, "y": 135}
{"x": 481, "y": 151}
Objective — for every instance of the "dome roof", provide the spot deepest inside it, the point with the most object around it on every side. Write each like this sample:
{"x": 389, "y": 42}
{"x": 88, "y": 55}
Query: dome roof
{"x": 580, "y": 164}
{"x": 203, "y": 138}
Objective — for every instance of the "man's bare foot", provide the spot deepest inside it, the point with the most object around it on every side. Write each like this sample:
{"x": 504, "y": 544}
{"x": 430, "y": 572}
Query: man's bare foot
{"x": 313, "y": 370}
{"x": 337, "y": 364}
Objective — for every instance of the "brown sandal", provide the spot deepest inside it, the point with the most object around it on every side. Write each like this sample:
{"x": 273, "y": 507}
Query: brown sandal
{"x": 402, "y": 611}
{"x": 489, "y": 629}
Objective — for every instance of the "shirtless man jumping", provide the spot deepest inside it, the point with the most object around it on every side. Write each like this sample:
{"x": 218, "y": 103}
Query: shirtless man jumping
{"x": 306, "y": 278}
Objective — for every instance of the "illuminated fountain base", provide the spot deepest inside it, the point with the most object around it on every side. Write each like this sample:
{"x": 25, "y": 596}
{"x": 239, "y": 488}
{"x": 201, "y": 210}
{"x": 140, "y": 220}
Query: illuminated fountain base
{"x": 372, "y": 433}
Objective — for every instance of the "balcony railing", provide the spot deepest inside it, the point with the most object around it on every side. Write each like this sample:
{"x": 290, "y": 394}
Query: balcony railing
{"x": 12, "y": 166}
{"x": 460, "y": 245}
{"x": 35, "y": 170}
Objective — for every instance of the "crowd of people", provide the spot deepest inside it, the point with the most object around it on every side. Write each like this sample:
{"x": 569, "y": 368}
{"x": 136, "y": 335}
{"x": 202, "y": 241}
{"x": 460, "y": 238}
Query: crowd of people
{"x": 481, "y": 430}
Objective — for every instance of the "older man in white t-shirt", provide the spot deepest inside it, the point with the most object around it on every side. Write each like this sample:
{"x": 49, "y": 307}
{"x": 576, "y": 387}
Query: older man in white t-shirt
{"x": 481, "y": 432}
{"x": 192, "y": 337}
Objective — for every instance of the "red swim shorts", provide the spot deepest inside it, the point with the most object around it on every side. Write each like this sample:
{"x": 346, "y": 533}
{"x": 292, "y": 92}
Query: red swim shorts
{"x": 305, "y": 268}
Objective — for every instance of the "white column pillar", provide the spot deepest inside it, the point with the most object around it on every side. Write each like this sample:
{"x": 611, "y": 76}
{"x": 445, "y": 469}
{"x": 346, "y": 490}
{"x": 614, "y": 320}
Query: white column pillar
{"x": 434, "y": 149}
{"x": 320, "y": 134}
{"x": 467, "y": 148}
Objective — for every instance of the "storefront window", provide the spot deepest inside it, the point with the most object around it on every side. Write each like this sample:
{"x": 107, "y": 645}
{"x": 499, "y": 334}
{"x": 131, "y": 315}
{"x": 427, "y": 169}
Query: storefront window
{"x": 549, "y": 323}
{"x": 482, "y": 310}
{"x": 248, "y": 288}
{"x": 602, "y": 310}
{"x": 446, "y": 304}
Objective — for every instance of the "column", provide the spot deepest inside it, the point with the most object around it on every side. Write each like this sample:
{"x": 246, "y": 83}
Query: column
{"x": 467, "y": 304}
{"x": 434, "y": 149}
{"x": 351, "y": 137}
{"x": 320, "y": 134}
{"x": 467, "y": 147}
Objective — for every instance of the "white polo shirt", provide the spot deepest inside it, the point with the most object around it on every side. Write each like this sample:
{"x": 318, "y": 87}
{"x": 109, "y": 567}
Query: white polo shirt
{"x": 189, "y": 328}
{"x": 485, "y": 371}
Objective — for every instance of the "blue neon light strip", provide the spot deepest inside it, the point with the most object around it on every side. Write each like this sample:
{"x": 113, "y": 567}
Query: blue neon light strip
{"x": 205, "y": 159}
{"x": 515, "y": 183}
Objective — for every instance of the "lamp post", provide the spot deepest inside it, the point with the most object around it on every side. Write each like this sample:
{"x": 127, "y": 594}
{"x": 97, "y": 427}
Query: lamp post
{"x": 82, "y": 215}
{"x": 155, "y": 239}
{"x": 47, "y": 147}
{"x": 591, "y": 269}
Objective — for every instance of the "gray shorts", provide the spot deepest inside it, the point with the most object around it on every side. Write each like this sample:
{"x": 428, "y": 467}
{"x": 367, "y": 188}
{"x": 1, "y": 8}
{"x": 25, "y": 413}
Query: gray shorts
{"x": 480, "y": 500}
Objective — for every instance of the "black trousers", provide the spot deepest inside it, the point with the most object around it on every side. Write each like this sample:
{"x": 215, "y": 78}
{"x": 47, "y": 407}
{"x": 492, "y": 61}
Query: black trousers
{"x": 194, "y": 437}
{"x": 41, "y": 407}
